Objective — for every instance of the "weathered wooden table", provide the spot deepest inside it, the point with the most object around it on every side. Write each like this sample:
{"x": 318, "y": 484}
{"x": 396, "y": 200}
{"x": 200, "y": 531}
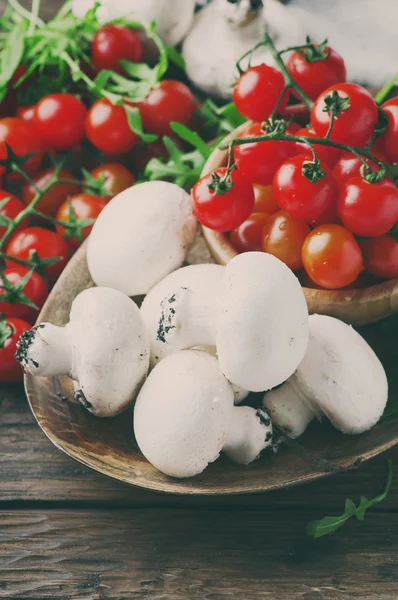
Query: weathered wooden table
{"x": 67, "y": 532}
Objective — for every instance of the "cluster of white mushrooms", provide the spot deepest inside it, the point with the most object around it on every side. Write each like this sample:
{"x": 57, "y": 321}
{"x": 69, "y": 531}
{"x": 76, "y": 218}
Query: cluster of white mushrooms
{"x": 207, "y": 335}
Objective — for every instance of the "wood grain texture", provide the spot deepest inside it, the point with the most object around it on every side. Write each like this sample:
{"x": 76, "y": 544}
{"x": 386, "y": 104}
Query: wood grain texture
{"x": 164, "y": 555}
{"x": 33, "y": 470}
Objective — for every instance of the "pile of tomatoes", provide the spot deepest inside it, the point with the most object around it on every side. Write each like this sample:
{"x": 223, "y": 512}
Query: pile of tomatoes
{"x": 59, "y": 125}
{"x": 328, "y": 220}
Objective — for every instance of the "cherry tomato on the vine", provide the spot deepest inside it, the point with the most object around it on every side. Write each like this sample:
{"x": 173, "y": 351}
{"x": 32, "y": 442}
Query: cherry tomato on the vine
{"x": 23, "y": 140}
{"x": 259, "y": 161}
{"x": 169, "y": 101}
{"x": 296, "y": 194}
{"x": 330, "y": 215}
{"x": 332, "y": 257}
{"x": 108, "y": 129}
{"x": 54, "y": 197}
{"x": 381, "y": 256}
{"x": 249, "y": 234}
{"x": 48, "y": 244}
{"x": 315, "y": 76}
{"x": 117, "y": 177}
{"x": 389, "y": 139}
{"x": 10, "y": 331}
{"x": 326, "y": 154}
{"x": 355, "y": 123}
{"x": 35, "y": 290}
{"x": 257, "y": 92}
{"x": 59, "y": 121}
{"x": 349, "y": 165}
{"x": 11, "y": 210}
{"x": 368, "y": 209}
{"x": 227, "y": 209}
{"x": 84, "y": 206}
{"x": 113, "y": 43}
{"x": 264, "y": 199}
{"x": 284, "y": 237}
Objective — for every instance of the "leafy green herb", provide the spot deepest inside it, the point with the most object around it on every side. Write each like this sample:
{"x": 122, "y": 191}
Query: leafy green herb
{"x": 135, "y": 123}
{"x": 223, "y": 118}
{"x": 11, "y": 56}
{"x": 329, "y": 525}
{"x": 192, "y": 137}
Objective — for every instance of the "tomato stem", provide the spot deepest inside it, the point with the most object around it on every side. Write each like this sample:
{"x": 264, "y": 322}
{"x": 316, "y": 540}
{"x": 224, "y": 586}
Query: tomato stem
{"x": 383, "y": 93}
{"x": 290, "y": 83}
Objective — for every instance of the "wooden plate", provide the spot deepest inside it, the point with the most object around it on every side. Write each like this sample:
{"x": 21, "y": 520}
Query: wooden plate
{"x": 108, "y": 445}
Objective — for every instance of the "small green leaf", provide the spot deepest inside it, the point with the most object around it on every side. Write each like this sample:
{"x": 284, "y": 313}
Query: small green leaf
{"x": 192, "y": 137}
{"x": 312, "y": 170}
{"x": 6, "y": 330}
{"x": 314, "y": 53}
{"x": 135, "y": 124}
{"x": 11, "y": 54}
{"x": 175, "y": 57}
{"x": 336, "y": 104}
{"x": 329, "y": 525}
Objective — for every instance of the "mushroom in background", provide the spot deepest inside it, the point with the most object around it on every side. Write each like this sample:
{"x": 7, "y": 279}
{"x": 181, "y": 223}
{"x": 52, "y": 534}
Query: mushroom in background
{"x": 222, "y": 32}
{"x": 172, "y": 17}
{"x": 142, "y": 235}
{"x": 340, "y": 377}
{"x": 184, "y": 417}
{"x": 104, "y": 348}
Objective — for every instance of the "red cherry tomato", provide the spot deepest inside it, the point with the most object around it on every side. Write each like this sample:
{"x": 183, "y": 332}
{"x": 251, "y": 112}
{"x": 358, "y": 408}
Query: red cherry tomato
{"x": 117, "y": 177}
{"x": 349, "y": 165}
{"x": 257, "y": 91}
{"x": 35, "y": 290}
{"x": 314, "y": 77}
{"x": 113, "y": 43}
{"x": 48, "y": 244}
{"x": 326, "y": 154}
{"x": 26, "y": 113}
{"x": 381, "y": 256}
{"x": 368, "y": 209}
{"x": 169, "y": 101}
{"x": 329, "y": 216}
{"x": 332, "y": 257}
{"x": 264, "y": 199}
{"x": 300, "y": 197}
{"x": 284, "y": 237}
{"x": 10, "y": 331}
{"x": 225, "y": 211}
{"x": 389, "y": 139}
{"x": 59, "y": 121}
{"x": 84, "y": 206}
{"x": 108, "y": 129}
{"x": 259, "y": 161}
{"x": 11, "y": 210}
{"x": 22, "y": 139}
{"x": 249, "y": 234}
{"x": 55, "y": 196}
{"x": 353, "y": 126}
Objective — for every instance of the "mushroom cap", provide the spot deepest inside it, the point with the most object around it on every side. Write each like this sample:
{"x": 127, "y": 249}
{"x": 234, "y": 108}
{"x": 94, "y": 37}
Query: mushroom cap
{"x": 288, "y": 409}
{"x": 342, "y": 376}
{"x": 143, "y": 234}
{"x": 110, "y": 350}
{"x": 181, "y": 310}
{"x": 183, "y": 413}
{"x": 263, "y": 331}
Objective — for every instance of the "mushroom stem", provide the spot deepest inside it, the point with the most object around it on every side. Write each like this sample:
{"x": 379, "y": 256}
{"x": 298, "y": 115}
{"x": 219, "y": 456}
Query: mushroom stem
{"x": 46, "y": 351}
{"x": 288, "y": 409}
{"x": 249, "y": 434}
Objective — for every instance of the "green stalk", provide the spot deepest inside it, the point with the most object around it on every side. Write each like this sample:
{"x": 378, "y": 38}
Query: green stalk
{"x": 382, "y": 95}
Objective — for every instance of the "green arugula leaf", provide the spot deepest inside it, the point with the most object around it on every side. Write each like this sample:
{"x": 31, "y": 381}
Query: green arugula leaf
{"x": 327, "y": 525}
{"x": 192, "y": 137}
{"x": 135, "y": 124}
{"x": 11, "y": 56}
{"x": 175, "y": 57}
{"x": 225, "y": 118}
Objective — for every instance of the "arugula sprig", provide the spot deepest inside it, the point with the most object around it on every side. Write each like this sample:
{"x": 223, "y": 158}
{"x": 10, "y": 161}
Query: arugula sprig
{"x": 182, "y": 168}
{"x": 327, "y": 525}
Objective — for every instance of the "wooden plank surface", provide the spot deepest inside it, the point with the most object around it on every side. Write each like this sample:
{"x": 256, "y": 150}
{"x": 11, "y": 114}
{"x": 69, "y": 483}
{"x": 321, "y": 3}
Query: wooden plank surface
{"x": 223, "y": 554}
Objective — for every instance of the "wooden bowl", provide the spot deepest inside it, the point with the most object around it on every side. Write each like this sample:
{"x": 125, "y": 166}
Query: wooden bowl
{"x": 355, "y": 306}
{"x": 108, "y": 445}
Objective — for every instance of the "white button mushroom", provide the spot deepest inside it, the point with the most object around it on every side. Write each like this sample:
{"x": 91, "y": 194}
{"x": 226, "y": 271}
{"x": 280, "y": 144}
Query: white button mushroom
{"x": 263, "y": 332}
{"x": 221, "y": 34}
{"x": 172, "y": 17}
{"x": 143, "y": 234}
{"x": 340, "y": 377}
{"x": 183, "y": 310}
{"x": 104, "y": 348}
{"x": 184, "y": 417}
